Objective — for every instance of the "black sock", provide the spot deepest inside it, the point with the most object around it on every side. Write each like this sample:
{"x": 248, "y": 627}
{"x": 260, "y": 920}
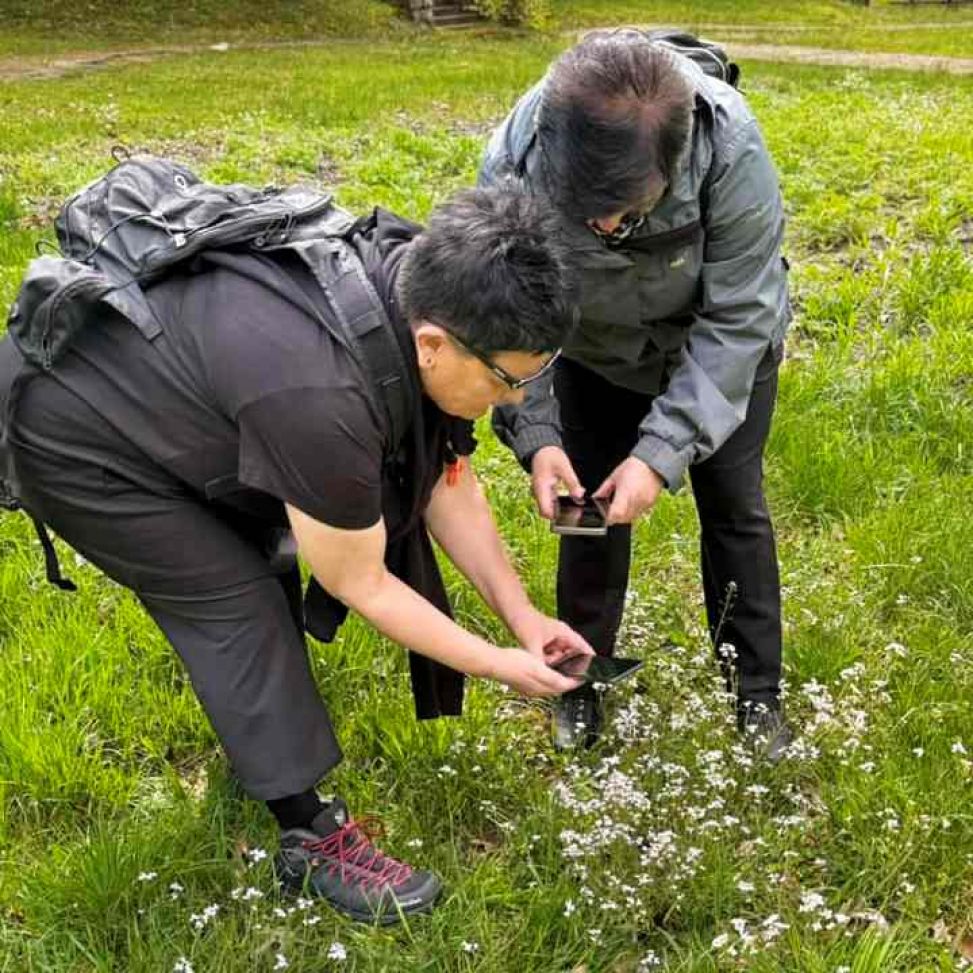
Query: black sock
{"x": 297, "y": 810}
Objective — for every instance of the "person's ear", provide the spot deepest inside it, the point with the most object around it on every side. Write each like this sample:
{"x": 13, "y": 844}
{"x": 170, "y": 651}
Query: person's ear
{"x": 430, "y": 341}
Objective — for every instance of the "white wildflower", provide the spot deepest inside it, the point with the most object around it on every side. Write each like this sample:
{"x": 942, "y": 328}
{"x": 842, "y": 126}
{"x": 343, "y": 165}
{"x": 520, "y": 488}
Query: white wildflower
{"x": 811, "y": 902}
{"x": 199, "y": 921}
{"x": 337, "y": 952}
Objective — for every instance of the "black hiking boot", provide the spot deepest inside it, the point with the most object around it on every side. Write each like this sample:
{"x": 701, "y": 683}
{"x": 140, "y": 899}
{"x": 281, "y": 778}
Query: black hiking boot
{"x": 336, "y": 860}
{"x": 765, "y": 729}
{"x": 577, "y": 718}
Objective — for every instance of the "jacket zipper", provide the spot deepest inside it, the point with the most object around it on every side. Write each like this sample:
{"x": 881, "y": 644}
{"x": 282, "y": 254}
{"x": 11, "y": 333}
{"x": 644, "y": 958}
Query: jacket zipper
{"x": 659, "y": 241}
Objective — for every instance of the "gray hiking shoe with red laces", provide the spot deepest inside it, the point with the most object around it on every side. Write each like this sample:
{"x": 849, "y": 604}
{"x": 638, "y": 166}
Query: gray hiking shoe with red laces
{"x": 336, "y": 860}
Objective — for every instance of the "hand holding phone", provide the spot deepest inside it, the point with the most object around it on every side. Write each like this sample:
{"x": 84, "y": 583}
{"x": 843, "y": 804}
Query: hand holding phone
{"x": 598, "y": 668}
{"x": 587, "y": 517}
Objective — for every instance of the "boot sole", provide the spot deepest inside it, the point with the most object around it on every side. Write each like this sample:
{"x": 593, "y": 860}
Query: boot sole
{"x": 370, "y": 918}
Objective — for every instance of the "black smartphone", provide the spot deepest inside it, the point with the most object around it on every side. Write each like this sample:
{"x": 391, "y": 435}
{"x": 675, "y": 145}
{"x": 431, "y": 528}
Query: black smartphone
{"x": 587, "y": 517}
{"x": 598, "y": 668}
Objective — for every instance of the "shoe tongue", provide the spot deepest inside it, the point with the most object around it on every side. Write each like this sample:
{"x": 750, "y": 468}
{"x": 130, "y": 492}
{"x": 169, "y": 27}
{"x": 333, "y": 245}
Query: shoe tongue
{"x": 330, "y": 818}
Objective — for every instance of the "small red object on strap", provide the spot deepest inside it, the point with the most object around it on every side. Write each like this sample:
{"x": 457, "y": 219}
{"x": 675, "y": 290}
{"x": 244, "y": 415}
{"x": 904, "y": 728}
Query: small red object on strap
{"x": 453, "y": 471}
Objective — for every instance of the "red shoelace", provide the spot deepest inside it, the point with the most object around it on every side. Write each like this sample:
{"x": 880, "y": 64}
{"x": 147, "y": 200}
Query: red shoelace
{"x": 349, "y": 849}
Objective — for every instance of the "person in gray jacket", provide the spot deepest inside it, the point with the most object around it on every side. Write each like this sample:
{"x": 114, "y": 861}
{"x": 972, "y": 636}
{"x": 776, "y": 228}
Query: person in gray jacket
{"x": 672, "y": 205}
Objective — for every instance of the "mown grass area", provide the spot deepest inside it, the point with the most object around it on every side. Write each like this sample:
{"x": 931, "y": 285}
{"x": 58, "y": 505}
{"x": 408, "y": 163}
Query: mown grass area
{"x": 49, "y": 27}
{"x": 56, "y": 28}
{"x": 821, "y": 13}
{"x": 118, "y": 819}
{"x": 894, "y": 27}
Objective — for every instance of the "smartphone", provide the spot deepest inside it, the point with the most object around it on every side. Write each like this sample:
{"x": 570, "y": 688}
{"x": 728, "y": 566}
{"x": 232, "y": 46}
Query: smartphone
{"x": 598, "y": 668}
{"x": 588, "y": 517}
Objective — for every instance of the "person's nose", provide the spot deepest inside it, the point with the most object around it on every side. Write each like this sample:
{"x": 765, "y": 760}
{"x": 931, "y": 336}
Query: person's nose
{"x": 608, "y": 224}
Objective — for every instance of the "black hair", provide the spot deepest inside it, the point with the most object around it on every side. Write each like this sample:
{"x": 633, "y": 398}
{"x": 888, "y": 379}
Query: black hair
{"x": 492, "y": 268}
{"x": 614, "y": 120}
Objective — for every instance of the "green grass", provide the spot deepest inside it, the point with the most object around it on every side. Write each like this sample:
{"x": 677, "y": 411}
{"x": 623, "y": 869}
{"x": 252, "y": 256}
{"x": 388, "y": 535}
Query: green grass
{"x": 56, "y": 27}
{"x": 790, "y": 13}
{"x": 109, "y": 771}
{"x": 897, "y": 28}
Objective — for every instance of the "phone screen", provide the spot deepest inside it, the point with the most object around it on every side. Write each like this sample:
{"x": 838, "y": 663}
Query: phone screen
{"x": 579, "y": 518}
{"x": 598, "y": 668}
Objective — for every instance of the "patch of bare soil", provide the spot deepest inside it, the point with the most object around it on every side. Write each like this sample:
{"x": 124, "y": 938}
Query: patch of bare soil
{"x": 850, "y": 59}
{"x": 20, "y": 68}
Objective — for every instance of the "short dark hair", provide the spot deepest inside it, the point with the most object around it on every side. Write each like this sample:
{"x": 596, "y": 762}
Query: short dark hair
{"x": 492, "y": 268}
{"x": 614, "y": 119}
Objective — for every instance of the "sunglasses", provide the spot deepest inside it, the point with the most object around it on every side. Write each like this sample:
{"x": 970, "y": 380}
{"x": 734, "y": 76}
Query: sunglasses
{"x": 511, "y": 381}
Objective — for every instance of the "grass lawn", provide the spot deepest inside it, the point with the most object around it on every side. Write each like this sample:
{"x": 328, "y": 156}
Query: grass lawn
{"x": 118, "y": 820}
{"x": 51, "y": 28}
{"x": 35, "y": 27}
{"x": 882, "y": 26}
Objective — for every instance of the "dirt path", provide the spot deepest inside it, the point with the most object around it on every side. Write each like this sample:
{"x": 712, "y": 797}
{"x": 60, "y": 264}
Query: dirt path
{"x": 27, "y": 68}
{"x": 849, "y": 59}
{"x": 811, "y": 28}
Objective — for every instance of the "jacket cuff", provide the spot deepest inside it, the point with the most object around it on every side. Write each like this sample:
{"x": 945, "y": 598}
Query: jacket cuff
{"x": 531, "y": 438}
{"x": 670, "y": 463}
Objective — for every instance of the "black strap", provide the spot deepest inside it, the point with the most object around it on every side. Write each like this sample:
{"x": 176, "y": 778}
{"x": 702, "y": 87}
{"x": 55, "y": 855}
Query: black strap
{"x": 9, "y": 487}
{"x": 362, "y": 316}
{"x": 51, "y": 564}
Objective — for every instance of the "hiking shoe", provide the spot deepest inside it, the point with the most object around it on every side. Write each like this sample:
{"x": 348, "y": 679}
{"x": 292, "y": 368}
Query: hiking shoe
{"x": 765, "y": 728}
{"x": 336, "y": 860}
{"x": 577, "y": 718}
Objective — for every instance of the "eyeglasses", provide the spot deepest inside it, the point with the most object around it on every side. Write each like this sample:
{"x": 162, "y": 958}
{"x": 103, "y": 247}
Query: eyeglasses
{"x": 511, "y": 381}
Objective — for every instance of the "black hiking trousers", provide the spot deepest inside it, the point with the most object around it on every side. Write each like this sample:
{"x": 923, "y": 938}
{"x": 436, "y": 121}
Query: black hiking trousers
{"x": 600, "y": 427}
{"x": 203, "y": 574}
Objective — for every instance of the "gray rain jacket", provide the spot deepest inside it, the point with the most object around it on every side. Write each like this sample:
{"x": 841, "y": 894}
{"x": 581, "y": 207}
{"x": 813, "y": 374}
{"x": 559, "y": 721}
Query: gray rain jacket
{"x": 683, "y": 309}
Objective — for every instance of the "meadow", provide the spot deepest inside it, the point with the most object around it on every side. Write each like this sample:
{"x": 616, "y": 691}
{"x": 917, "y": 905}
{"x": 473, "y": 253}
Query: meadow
{"x": 125, "y": 843}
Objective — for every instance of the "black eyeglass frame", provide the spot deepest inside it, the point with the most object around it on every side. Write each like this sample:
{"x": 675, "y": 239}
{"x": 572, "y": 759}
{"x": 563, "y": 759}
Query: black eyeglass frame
{"x": 512, "y": 383}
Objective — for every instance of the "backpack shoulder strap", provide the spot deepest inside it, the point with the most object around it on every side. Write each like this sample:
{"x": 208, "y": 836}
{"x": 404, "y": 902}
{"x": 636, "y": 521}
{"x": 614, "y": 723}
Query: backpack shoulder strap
{"x": 366, "y": 326}
{"x": 710, "y": 56}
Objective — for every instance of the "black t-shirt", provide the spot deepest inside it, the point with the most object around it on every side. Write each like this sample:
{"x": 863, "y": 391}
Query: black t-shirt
{"x": 308, "y": 433}
{"x": 246, "y": 395}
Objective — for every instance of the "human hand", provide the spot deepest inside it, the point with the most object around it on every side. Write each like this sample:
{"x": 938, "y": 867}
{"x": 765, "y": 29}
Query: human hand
{"x": 549, "y": 468}
{"x": 548, "y": 638}
{"x": 633, "y": 487}
{"x": 527, "y": 674}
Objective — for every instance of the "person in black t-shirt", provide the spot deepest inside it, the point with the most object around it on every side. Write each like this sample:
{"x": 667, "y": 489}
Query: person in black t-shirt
{"x": 183, "y": 466}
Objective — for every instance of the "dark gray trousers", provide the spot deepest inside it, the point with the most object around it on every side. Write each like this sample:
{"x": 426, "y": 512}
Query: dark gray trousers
{"x": 202, "y": 573}
{"x": 600, "y": 423}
